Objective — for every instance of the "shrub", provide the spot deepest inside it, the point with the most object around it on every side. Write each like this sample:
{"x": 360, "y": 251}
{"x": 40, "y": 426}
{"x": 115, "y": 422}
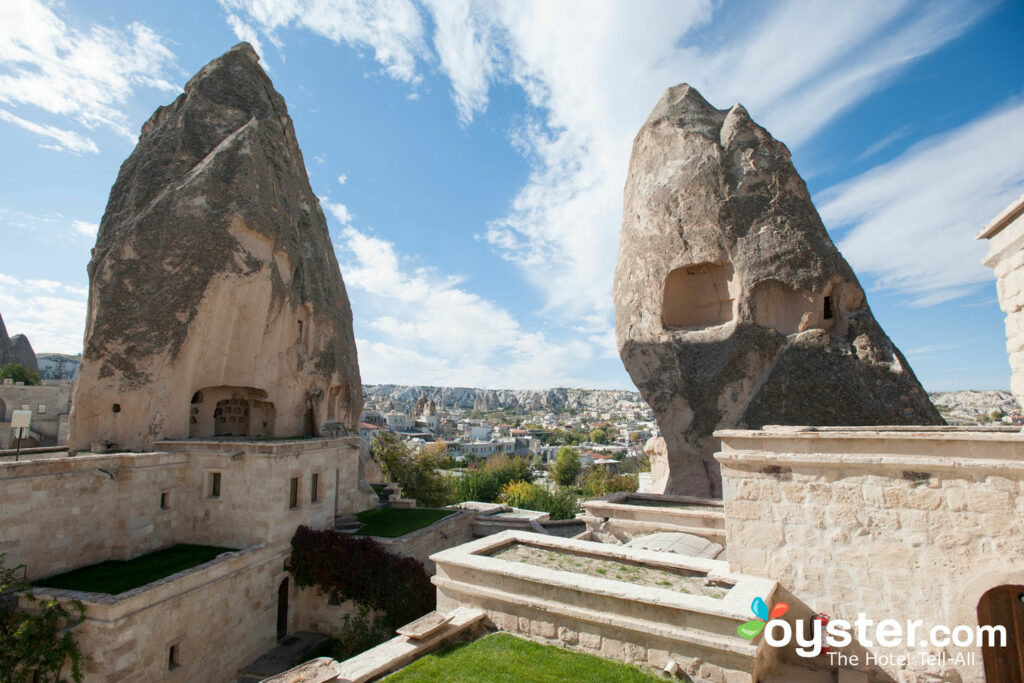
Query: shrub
{"x": 359, "y": 632}
{"x": 484, "y": 484}
{"x": 358, "y": 568}
{"x": 597, "y": 481}
{"x": 19, "y": 373}
{"x": 560, "y": 503}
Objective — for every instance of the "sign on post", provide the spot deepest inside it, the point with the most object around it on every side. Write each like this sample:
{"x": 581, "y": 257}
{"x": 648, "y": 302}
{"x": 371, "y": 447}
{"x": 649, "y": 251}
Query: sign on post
{"x": 21, "y": 419}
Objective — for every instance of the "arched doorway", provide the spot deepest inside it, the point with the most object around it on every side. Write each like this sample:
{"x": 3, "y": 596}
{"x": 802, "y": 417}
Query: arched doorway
{"x": 1004, "y": 606}
{"x": 282, "y": 610}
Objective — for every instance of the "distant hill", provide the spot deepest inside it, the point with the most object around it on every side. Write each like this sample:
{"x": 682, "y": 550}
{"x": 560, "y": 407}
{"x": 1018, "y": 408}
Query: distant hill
{"x": 58, "y": 365}
{"x": 401, "y": 397}
{"x": 971, "y": 406}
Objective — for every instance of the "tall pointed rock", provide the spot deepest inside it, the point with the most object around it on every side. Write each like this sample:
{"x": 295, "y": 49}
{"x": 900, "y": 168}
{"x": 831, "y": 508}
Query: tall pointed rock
{"x": 733, "y": 308}
{"x": 216, "y": 305}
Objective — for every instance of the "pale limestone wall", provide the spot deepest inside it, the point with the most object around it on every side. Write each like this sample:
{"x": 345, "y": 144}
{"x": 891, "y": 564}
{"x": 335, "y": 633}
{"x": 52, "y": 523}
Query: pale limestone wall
{"x": 1006, "y": 257}
{"x": 313, "y": 612}
{"x": 909, "y": 524}
{"x": 55, "y": 395}
{"x": 64, "y": 512}
{"x": 221, "y": 615}
{"x": 421, "y": 544}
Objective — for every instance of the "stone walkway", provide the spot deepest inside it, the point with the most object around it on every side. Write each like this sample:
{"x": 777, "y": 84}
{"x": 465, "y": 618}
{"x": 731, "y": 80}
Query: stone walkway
{"x": 281, "y": 658}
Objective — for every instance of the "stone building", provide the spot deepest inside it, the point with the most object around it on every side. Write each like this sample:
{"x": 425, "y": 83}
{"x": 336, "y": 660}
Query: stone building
{"x": 49, "y": 403}
{"x": 1005, "y": 235}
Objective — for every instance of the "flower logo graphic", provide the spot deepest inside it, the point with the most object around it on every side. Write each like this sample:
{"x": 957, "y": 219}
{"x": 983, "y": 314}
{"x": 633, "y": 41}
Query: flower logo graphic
{"x": 750, "y": 629}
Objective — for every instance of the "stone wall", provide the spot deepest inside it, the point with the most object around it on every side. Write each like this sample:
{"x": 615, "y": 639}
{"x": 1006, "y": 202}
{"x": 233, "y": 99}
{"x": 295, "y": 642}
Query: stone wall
{"x": 1006, "y": 256}
{"x": 901, "y": 524}
{"x": 446, "y": 533}
{"x": 128, "y": 637}
{"x": 53, "y": 398}
{"x": 64, "y": 512}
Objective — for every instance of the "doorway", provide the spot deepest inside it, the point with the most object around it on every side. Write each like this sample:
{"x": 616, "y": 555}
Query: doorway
{"x": 1004, "y": 606}
{"x": 282, "y": 610}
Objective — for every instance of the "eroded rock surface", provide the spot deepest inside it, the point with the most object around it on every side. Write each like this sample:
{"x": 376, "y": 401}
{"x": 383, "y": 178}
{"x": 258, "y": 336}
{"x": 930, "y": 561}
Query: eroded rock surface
{"x": 216, "y": 306}
{"x": 16, "y": 349}
{"x": 733, "y": 306}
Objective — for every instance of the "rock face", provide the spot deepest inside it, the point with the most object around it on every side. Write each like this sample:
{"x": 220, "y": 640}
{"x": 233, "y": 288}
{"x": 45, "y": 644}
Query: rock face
{"x": 401, "y": 397}
{"x": 16, "y": 349}
{"x": 733, "y": 307}
{"x": 424, "y": 407}
{"x": 216, "y": 306}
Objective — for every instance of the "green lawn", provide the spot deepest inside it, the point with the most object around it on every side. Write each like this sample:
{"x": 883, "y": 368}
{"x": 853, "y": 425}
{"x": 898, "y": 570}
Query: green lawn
{"x": 392, "y": 522}
{"x": 504, "y": 658}
{"x": 117, "y": 576}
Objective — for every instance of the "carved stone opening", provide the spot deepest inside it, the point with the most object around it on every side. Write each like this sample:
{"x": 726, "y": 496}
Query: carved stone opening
{"x": 697, "y": 296}
{"x": 231, "y": 411}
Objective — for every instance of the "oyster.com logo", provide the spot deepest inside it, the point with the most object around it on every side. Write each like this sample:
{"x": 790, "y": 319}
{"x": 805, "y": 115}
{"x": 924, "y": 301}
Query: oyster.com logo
{"x": 750, "y": 629}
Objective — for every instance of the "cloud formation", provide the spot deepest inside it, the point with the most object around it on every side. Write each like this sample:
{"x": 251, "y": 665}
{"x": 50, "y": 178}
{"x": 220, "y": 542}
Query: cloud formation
{"x": 51, "y": 314}
{"x": 84, "y": 76}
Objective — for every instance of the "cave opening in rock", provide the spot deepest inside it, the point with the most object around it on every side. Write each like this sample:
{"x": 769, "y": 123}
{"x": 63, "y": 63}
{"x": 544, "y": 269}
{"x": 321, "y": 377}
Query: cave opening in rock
{"x": 697, "y": 296}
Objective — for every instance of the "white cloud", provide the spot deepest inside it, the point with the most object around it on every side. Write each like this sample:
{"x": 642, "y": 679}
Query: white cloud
{"x": 51, "y": 323}
{"x": 339, "y": 211}
{"x": 465, "y": 43}
{"x": 342, "y": 179}
{"x": 428, "y": 329}
{"x": 911, "y": 223}
{"x": 86, "y": 228}
{"x": 393, "y": 29}
{"x": 84, "y": 75}
{"x": 64, "y": 140}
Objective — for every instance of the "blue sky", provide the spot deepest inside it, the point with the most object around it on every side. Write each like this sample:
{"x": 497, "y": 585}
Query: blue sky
{"x": 470, "y": 157}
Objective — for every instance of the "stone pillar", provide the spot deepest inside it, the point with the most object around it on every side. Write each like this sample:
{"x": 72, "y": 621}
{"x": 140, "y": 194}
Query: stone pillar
{"x": 1005, "y": 235}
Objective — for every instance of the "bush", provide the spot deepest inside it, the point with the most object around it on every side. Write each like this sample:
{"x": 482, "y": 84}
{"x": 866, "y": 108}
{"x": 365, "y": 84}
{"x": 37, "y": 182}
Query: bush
{"x": 565, "y": 467}
{"x": 597, "y": 482}
{"x": 484, "y": 484}
{"x": 19, "y": 373}
{"x": 359, "y": 632}
{"x": 415, "y": 473}
{"x": 560, "y": 503}
{"x": 358, "y": 568}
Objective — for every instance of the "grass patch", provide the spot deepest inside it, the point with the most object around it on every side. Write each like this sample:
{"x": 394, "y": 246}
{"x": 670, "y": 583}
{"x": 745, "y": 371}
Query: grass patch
{"x": 504, "y": 658}
{"x": 392, "y": 522}
{"x": 118, "y": 576}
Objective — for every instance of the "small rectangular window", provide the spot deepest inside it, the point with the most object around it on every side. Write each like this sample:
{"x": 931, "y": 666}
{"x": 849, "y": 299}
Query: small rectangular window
{"x": 293, "y": 493}
{"x": 165, "y": 500}
{"x": 25, "y": 406}
{"x": 214, "y": 484}
{"x": 173, "y": 657}
{"x": 828, "y": 314}
{"x": 314, "y": 487}
{"x": 41, "y": 409}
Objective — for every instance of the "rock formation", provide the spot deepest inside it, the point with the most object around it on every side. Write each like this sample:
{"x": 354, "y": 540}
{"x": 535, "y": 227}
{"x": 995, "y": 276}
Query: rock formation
{"x": 402, "y": 397}
{"x": 424, "y": 407}
{"x": 733, "y": 307}
{"x": 216, "y": 306}
{"x": 16, "y": 349}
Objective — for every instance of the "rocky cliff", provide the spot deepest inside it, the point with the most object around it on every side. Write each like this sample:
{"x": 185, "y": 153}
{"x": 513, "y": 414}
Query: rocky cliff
{"x": 16, "y": 349}
{"x": 733, "y": 307}
{"x": 405, "y": 397}
{"x": 216, "y": 305}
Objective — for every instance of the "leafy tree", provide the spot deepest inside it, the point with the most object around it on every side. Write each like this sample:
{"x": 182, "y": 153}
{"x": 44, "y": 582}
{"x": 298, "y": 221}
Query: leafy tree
{"x": 19, "y": 373}
{"x": 598, "y": 481}
{"x": 415, "y": 473}
{"x": 599, "y": 436}
{"x": 35, "y": 645}
{"x": 560, "y": 503}
{"x": 484, "y": 483}
{"x": 565, "y": 467}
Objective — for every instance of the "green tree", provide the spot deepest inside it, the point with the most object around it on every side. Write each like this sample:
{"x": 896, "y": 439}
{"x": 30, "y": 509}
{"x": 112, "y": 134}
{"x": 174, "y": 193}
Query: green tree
{"x": 565, "y": 467}
{"x": 599, "y": 436}
{"x": 415, "y": 473}
{"x": 35, "y": 645}
{"x": 19, "y": 373}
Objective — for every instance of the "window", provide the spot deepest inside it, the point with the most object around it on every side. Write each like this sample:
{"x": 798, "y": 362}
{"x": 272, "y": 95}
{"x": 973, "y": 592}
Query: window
{"x": 173, "y": 657}
{"x": 116, "y": 407}
{"x": 165, "y": 500}
{"x": 828, "y": 315}
{"x": 293, "y": 493}
{"x": 41, "y": 409}
{"x": 214, "y": 486}
{"x": 25, "y": 406}
{"x": 314, "y": 487}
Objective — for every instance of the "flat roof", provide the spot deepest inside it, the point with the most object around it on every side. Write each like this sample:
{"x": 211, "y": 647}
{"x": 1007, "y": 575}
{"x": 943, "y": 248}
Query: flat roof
{"x": 1005, "y": 217}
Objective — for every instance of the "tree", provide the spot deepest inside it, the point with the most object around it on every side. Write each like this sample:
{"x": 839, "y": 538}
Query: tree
{"x": 415, "y": 473}
{"x": 566, "y": 466}
{"x": 35, "y": 645}
{"x": 19, "y": 373}
{"x": 599, "y": 436}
